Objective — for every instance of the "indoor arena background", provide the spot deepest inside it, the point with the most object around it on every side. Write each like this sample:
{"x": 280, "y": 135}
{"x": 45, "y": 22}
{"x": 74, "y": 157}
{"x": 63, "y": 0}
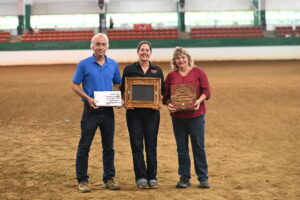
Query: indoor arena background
{"x": 252, "y": 122}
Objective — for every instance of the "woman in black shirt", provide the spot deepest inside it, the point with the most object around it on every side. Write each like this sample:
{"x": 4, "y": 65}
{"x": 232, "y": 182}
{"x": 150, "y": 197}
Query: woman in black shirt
{"x": 143, "y": 123}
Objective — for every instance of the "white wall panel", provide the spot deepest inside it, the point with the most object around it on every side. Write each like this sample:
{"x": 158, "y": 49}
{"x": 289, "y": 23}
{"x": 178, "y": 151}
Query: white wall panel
{"x": 282, "y": 4}
{"x": 61, "y": 1}
{"x": 218, "y": 5}
{"x": 159, "y": 54}
{"x": 8, "y": 9}
{"x": 64, "y": 8}
{"x": 121, "y": 6}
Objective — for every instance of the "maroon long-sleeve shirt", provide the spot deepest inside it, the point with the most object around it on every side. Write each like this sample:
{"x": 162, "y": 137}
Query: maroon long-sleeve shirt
{"x": 196, "y": 76}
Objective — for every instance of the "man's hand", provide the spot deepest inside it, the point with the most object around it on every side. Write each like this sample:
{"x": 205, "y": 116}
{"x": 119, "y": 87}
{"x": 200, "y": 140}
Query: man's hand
{"x": 92, "y": 103}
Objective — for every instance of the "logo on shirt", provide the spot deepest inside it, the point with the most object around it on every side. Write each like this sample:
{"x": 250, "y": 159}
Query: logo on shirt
{"x": 153, "y": 71}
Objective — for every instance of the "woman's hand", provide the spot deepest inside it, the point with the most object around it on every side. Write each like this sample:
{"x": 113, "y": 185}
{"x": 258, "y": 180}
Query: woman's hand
{"x": 199, "y": 101}
{"x": 197, "y": 104}
{"x": 171, "y": 108}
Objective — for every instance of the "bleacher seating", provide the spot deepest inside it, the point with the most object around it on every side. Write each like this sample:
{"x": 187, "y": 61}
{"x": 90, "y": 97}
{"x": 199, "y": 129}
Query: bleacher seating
{"x": 287, "y": 31}
{"x": 284, "y": 31}
{"x": 4, "y": 36}
{"x": 297, "y": 33}
{"x": 58, "y": 35}
{"x": 227, "y": 32}
{"x": 132, "y": 34}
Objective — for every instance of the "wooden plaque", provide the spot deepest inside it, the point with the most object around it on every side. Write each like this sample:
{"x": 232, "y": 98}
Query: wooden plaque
{"x": 183, "y": 96}
{"x": 142, "y": 92}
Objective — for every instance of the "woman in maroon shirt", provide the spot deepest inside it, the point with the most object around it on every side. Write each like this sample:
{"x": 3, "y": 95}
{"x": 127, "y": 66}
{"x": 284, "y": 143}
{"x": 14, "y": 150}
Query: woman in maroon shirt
{"x": 189, "y": 123}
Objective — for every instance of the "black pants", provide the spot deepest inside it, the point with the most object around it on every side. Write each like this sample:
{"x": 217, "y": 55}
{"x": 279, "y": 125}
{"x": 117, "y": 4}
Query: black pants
{"x": 91, "y": 120}
{"x": 143, "y": 125}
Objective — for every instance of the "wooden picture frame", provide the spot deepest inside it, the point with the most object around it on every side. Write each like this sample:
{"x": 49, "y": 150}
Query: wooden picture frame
{"x": 142, "y": 92}
{"x": 183, "y": 96}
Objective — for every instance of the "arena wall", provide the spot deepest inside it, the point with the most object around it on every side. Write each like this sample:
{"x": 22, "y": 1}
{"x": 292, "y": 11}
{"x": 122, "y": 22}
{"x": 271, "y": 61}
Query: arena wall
{"x": 159, "y": 54}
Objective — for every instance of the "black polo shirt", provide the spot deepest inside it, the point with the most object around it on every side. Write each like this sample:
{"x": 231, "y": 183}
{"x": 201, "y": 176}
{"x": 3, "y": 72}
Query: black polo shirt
{"x": 135, "y": 70}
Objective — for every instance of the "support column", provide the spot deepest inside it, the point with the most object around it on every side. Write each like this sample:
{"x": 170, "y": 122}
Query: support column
{"x": 27, "y": 16}
{"x": 102, "y": 16}
{"x": 263, "y": 14}
{"x": 181, "y": 21}
{"x": 102, "y": 23}
{"x": 259, "y": 7}
{"x": 181, "y": 15}
{"x": 21, "y": 17}
{"x": 256, "y": 8}
{"x": 20, "y": 27}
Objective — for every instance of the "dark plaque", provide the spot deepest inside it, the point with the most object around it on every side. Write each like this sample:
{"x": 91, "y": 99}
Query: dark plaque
{"x": 183, "y": 96}
{"x": 142, "y": 92}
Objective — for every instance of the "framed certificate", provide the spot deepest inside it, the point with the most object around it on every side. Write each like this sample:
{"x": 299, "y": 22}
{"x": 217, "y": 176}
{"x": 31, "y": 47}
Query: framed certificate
{"x": 183, "y": 96}
{"x": 142, "y": 92}
{"x": 108, "y": 98}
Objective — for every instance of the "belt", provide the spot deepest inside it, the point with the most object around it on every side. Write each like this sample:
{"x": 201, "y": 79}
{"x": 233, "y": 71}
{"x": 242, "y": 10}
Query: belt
{"x": 144, "y": 109}
{"x": 98, "y": 109}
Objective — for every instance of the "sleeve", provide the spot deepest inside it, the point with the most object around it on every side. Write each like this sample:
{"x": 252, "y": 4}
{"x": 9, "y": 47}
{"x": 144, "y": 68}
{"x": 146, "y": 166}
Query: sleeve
{"x": 162, "y": 82}
{"x": 122, "y": 87}
{"x": 79, "y": 73}
{"x": 204, "y": 84}
{"x": 166, "y": 94}
{"x": 117, "y": 76}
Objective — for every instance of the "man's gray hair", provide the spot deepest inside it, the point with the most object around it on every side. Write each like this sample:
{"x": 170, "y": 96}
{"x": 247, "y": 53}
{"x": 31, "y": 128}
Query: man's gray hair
{"x": 99, "y": 35}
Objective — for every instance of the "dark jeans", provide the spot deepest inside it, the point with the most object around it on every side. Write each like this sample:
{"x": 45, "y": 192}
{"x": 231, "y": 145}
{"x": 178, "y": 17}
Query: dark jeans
{"x": 91, "y": 120}
{"x": 195, "y": 128}
{"x": 143, "y": 125}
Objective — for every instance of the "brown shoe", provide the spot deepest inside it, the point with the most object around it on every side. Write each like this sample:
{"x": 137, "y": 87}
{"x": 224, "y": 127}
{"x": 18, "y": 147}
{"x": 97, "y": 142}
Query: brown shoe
{"x": 84, "y": 187}
{"x": 204, "y": 184}
{"x": 111, "y": 185}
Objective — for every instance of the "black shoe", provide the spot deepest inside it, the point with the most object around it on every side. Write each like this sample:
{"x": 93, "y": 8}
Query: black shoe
{"x": 183, "y": 184}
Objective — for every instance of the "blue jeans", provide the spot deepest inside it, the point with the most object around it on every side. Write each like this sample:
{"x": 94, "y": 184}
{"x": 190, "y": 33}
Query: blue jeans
{"x": 91, "y": 120}
{"x": 195, "y": 128}
{"x": 143, "y": 125}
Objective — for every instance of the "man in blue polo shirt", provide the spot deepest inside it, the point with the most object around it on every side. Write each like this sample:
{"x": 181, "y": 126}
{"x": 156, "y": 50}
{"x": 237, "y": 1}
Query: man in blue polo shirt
{"x": 96, "y": 73}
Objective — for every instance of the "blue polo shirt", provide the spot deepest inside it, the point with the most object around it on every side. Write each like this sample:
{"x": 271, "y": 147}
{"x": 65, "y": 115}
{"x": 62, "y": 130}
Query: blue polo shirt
{"x": 95, "y": 77}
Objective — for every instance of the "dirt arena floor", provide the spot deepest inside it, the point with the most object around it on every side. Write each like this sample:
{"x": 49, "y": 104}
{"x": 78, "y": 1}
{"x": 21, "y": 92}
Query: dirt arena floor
{"x": 252, "y": 137}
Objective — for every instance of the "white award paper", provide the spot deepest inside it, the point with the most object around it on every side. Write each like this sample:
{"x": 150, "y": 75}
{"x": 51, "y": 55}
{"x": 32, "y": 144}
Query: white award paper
{"x": 108, "y": 98}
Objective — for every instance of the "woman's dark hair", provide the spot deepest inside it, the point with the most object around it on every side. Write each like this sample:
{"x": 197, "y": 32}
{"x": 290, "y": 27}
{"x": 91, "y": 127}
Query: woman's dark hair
{"x": 144, "y": 42}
